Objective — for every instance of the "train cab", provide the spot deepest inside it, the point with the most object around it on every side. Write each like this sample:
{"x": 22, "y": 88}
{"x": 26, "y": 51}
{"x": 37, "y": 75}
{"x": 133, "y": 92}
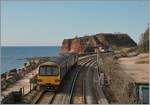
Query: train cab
{"x": 51, "y": 73}
{"x": 48, "y": 75}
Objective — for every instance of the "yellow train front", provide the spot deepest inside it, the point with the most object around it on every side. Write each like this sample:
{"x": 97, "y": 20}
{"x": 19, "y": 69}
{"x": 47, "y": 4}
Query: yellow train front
{"x": 50, "y": 74}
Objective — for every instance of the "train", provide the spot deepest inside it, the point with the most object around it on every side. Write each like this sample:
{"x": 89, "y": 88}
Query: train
{"x": 51, "y": 73}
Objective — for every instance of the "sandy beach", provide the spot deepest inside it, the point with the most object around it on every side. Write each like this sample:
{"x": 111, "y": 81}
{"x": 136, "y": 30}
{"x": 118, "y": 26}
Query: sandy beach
{"x": 139, "y": 72}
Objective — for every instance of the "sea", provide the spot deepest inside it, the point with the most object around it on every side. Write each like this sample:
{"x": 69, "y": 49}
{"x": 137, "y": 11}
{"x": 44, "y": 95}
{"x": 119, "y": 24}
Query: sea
{"x": 14, "y": 57}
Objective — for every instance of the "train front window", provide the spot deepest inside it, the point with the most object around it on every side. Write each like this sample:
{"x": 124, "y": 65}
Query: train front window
{"x": 49, "y": 70}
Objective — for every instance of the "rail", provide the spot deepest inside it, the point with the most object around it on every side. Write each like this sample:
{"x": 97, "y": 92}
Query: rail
{"x": 43, "y": 97}
{"x": 66, "y": 96}
{"x": 46, "y": 98}
{"x": 68, "y": 100}
{"x": 74, "y": 96}
{"x": 89, "y": 96}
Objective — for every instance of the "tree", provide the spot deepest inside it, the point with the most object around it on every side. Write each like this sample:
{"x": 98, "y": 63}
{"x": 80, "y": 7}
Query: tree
{"x": 144, "y": 41}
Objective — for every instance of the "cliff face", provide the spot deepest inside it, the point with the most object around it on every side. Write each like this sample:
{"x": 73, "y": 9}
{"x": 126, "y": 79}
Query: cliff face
{"x": 66, "y": 45}
{"x": 87, "y": 43}
{"x": 76, "y": 46}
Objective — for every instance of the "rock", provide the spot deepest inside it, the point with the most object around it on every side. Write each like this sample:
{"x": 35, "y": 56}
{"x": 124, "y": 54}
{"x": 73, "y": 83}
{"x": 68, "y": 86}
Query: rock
{"x": 13, "y": 71}
{"x": 131, "y": 54}
{"x": 14, "y": 97}
{"x": 76, "y": 46}
{"x": 3, "y": 84}
{"x": 20, "y": 73}
{"x": 14, "y": 75}
{"x": 105, "y": 40}
{"x": 10, "y": 80}
{"x": 4, "y": 75}
{"x": 66, "y": 45}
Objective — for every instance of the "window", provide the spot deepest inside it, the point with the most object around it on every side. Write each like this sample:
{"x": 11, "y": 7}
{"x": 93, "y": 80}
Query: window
{"x": 49, "y": 70}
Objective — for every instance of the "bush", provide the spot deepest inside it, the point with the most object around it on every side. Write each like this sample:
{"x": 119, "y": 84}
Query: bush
{"x": 142, "y": 62}
{"x": 114, "y": 47}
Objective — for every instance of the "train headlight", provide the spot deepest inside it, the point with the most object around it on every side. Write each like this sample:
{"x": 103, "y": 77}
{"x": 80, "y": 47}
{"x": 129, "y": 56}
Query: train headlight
{"x": 39, "y": 80}
{"x": 57, "y": 80}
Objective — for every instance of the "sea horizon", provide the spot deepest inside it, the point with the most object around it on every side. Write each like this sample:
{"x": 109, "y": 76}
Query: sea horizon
{"x": 11, "y": 55}
{"x": 33, "y": 46}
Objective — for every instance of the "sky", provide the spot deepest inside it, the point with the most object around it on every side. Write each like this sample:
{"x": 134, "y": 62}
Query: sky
{"x": 47, "y": 23}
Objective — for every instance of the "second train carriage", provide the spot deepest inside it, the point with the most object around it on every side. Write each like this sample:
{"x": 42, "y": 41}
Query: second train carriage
{"x": 51, "y": 73}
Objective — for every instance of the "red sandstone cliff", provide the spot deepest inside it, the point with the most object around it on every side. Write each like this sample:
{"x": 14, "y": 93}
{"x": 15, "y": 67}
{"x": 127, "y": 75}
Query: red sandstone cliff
{"x": 76, "y": 46}
{"x": 80, "y": 45}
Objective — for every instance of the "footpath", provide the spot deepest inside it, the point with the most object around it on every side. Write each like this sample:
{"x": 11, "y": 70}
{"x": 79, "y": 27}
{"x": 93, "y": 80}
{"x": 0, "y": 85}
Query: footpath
{"x": 23, "y": 83}
{"x": 139, "y": 72}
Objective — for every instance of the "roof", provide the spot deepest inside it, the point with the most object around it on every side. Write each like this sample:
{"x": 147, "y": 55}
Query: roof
{"x": 58, "y": 60}
{"x": 48, "y": 63}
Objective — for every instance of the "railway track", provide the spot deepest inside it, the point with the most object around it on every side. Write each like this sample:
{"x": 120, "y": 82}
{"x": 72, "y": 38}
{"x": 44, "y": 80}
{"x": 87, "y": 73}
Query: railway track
{"x": 89, "y": 93}
{"x": 73, "y": 85}
{"x": 98, "y": 97}
{"x": 43, "y": 97}
{"x": 79, "y": 93}
{"x": 66, "y": 96}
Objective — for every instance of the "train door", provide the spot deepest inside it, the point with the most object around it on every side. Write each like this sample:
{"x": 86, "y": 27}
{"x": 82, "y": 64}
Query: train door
{"x": 63, "y": 71}
{"x": 66, "y": 64}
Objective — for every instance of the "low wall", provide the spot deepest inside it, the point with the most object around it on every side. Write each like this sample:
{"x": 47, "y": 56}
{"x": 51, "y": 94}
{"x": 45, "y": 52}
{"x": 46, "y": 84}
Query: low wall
{"x": 14, "y": 97}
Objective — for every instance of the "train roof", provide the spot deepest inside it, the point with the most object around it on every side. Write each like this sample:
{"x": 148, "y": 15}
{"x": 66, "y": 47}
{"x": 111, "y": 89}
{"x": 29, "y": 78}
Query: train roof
{"x": 68, "y": 54}
{"x": 48, "y": 63}
{"x": 58, "y": 60}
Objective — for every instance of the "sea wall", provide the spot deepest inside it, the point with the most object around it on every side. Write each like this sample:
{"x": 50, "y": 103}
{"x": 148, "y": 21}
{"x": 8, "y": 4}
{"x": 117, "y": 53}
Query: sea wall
{"x": 9, "y": 78}
{"x": 81, "y": 44}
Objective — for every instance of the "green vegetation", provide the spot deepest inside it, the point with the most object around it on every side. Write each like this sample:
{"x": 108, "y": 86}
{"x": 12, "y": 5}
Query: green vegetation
{"x": 76, "y": 36}
{"x": 114, "y": 47}
{"x": 143, "y": 49}
{"x": 8, "y": 82}
{"x": 142, "y": 62}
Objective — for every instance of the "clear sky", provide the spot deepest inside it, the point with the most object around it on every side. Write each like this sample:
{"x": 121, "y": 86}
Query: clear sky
{"x": 48, "y": 23}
